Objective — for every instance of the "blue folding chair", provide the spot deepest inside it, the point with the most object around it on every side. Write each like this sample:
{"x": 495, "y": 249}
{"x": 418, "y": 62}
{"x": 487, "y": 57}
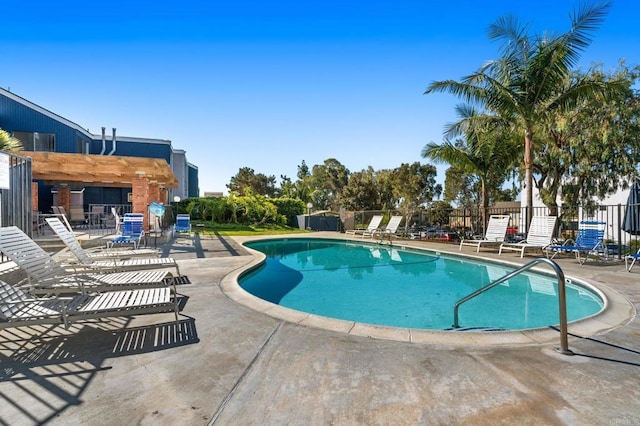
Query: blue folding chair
{"x": 590, "y": 241}
{"x": 182, "y": 225}
{"x": 132, "y": 231}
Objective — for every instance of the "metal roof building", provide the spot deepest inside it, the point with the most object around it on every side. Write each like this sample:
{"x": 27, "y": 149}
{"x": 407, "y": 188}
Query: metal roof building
{"x": 41, "y": 130}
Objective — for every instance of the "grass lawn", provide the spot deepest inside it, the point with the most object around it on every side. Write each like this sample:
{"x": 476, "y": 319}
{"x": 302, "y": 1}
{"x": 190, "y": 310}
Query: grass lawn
{"x": 236, "y": 229}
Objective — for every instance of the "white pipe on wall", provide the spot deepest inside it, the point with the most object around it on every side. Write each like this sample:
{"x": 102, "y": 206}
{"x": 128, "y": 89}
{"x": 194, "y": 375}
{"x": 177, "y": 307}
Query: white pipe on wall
{"x": 104, "y": 142}
{"x": 114, "y": 142}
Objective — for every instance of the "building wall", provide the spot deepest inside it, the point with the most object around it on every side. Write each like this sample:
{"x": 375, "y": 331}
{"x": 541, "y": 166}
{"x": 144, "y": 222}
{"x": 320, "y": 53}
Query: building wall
{"x": 19, "y": 115}
{"x": 16, "y": 117}
{"x": 125, "y": 147}
{"x": 194, "y": 185}
{"x": 179, "y": 167}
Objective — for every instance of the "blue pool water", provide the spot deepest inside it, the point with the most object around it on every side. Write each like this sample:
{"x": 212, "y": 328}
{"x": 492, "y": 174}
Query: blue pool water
{"x": 379, "y": 284}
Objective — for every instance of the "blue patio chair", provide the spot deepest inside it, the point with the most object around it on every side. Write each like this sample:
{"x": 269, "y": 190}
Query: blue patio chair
{"x": 183, "y": 226}
{"x": 132, "y": 231}
{"x": 589, "y": 242}
{"x": 633, "y": 257}
{"x": 183, "y": 223}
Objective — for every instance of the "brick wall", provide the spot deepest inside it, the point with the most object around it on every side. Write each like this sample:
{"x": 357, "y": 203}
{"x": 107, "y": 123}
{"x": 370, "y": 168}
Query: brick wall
{"x": 64, "y": 198}
{"x": 34, "y": 196}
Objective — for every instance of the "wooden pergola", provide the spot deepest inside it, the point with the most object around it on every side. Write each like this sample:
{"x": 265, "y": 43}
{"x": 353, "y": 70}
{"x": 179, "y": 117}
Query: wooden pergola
{"x": 56, "y": 168}
{"x": 147, "y": 177}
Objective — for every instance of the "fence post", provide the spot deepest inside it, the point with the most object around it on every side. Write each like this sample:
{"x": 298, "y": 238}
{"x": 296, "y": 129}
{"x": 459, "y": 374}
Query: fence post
{"x": 619, "y": 222}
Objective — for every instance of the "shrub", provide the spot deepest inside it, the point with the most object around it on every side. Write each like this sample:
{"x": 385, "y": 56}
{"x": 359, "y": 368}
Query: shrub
{"x": 289, "y": 208}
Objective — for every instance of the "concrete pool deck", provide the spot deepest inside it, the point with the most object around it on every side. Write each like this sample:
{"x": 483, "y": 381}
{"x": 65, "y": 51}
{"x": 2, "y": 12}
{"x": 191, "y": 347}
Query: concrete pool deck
{"x": 230, "y": 364}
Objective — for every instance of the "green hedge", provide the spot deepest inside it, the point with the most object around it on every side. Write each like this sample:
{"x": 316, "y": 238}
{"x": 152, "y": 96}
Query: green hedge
{"x": 245, "y": 209}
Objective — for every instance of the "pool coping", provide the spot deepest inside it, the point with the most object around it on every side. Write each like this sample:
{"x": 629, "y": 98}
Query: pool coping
{"x": 617, "y": 311}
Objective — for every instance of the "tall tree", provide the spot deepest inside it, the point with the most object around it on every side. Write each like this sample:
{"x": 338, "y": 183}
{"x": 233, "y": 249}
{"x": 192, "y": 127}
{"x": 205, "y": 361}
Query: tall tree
{"x": 385, "y": 182}
{"x": 461, "y": 188}
{"x": 487, "y": 152}
{"x": 528, "y": 82}
{"x": 328, "y": 180}
{"x": 591, "y": 150}
{"x": 302, "y": 187}
{"x": 362, "y": 191}
{"x": 287, "y": 188}
{"x": 414, "y": 185}
{"x": 247, "y": 181}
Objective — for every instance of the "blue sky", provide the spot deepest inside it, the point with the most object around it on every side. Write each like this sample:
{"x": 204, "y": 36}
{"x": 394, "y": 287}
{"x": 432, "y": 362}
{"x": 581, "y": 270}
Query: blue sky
{"x": 268, "y": 84}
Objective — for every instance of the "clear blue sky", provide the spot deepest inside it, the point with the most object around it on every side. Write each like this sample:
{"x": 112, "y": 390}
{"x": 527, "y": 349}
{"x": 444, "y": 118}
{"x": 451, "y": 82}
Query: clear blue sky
{"x": 267, "y": 84}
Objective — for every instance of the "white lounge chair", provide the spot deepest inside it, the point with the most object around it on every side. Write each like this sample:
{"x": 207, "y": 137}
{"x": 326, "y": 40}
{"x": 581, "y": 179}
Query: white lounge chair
{"x": 390, "y": 229}
{"x": 19, "y": 309}
{"x": 114, "y": 265}
{"x": 539, "y": 235}
{"x": 46, "y": 275}
{"x": 374, "y": 223}
{"x": 117, "y": 219}
{"x": 496, "y": 233}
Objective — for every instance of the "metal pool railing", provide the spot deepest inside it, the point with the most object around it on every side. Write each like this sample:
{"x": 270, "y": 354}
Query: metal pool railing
{"x": 562, "y": 300}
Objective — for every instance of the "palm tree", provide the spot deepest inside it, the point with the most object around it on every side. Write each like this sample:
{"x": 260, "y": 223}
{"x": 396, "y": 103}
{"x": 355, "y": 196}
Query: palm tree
{"x": 531, "y": 79}
{"x": 8, "y": 142}
{"x": 486, "y": 152}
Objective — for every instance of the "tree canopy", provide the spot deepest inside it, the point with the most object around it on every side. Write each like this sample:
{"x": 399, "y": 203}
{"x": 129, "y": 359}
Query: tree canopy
{"x": 247, "y": 181}
{"x": 593, "y": 149}
{"x": 529, "y": 80}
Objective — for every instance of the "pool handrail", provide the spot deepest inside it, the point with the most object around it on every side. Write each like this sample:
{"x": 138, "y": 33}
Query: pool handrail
{"x": 562, "y": 300}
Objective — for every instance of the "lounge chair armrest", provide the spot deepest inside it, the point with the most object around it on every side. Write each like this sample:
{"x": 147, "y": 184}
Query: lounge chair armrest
{"x": 17, "y": 302}
{"x": 34, "y": 299}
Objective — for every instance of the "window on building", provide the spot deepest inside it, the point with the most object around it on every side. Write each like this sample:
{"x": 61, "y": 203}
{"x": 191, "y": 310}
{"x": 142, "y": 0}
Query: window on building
{"x": 81, "y": 146}
{"x": 35, "y": 141}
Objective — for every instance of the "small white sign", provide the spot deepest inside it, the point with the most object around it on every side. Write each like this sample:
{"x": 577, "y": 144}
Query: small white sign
{"x": 4, "y": 171}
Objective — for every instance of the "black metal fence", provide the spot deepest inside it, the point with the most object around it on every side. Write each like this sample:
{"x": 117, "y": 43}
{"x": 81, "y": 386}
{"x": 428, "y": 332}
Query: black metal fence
{"x": 468, "y": 222}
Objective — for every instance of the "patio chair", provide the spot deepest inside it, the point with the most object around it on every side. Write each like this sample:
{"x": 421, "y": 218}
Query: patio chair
{"x": 132, "y": 231}
{"x": 46, "y": 275}
{"x": 631, "y": 258}
{"x": 589, "y": 242}
{"x": 183, "y": 224}
{"x": 118, "y": 219}
{"x": 95, "y": 216}
{"x": 390, "y": 229}
{"x": 539, "y": 236}
{"x": 17, "y": 308}
{"x": 77, "y": 216}
{"x": 496, "y": 233}
{"x": 374, "y": 223}
{"x": 116, "y": 265}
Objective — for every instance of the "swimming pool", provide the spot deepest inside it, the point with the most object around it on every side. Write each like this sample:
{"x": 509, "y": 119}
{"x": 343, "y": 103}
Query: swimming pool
{"x": 398, "y": 287}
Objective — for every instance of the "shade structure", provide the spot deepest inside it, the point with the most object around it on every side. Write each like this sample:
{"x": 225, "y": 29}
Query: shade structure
{"x": 631, "y": 222}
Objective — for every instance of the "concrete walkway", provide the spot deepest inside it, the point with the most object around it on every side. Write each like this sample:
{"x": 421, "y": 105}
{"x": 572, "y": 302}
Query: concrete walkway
{"x": 228, "y": 364}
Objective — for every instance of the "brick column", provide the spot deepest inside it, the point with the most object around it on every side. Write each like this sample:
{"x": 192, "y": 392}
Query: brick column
{"x": 164, "y": 194}
{"x": 64, "y": 198}
{"x": 154, "y": 192}
{"x": 34, "y": 196}
{"x": 140, "y": 194}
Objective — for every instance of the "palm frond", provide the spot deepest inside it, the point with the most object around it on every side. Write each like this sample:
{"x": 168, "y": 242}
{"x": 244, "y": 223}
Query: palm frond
{"x": 8, "y": 142}
{"x": 451, "y": 154}
{"x": 586, "y": 19}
